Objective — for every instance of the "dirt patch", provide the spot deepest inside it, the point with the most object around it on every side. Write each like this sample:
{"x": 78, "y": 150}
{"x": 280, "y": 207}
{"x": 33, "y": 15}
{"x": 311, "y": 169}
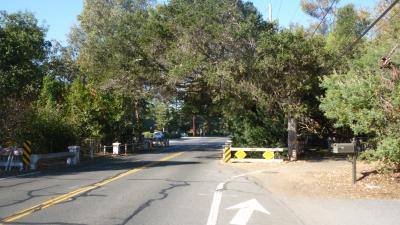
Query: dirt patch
{"x": 331, "y": 178}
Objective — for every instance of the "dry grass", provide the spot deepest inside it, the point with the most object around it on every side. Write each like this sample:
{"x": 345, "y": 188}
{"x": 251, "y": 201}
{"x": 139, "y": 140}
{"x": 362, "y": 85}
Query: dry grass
{"x": 326, "y": 179}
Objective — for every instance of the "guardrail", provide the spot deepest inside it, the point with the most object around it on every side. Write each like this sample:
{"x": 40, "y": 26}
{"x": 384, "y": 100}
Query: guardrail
{"x": 237, "y": 154}
{"x": 73, "y": 157}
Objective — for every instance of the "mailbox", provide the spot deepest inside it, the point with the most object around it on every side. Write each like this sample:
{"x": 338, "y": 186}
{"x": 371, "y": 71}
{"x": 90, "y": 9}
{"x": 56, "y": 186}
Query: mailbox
{"x": 344, "y": 148}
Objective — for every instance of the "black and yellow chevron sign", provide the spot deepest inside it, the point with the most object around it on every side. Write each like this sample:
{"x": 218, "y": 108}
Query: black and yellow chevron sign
{"x": 26, "y": 157}
{"x": 227, "y": 155}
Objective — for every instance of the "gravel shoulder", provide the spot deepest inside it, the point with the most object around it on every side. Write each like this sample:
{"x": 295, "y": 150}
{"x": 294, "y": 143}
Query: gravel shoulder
{"x": 328, "y": 178}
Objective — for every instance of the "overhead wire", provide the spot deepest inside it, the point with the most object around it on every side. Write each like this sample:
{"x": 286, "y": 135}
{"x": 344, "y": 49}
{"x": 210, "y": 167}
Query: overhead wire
{"x": 323, "y": 18}
{"x": 295, "y": 12}
{"x": 380, "y": 26}
{"x": 366, "y": 30}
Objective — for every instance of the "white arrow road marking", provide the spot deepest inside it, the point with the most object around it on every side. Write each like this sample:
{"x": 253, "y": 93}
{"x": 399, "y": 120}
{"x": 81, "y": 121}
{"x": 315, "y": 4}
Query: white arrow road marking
{"x": 246, "y": 209}
{"x": 216, "y": 202}
{"x": 212, "y": 218}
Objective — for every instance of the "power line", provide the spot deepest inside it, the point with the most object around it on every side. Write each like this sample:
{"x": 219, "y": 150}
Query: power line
{"x": 354, "y": 43}
{"x": 323, "y": 18}
{"x": 295, "y": 13}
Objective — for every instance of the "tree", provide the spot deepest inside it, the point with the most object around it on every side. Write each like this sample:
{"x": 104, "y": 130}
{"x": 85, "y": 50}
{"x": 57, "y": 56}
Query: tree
{"x": 388, "y": 27}
{"x": 365, "y": 97}
{"x": 22, "y": 55}
{"x": 288, "y": 76}
{"x": 349, "y": 25}
{"x": 45, "y": 124}
{"x": 116, "y": 53}
{"x": 212, "y": 47}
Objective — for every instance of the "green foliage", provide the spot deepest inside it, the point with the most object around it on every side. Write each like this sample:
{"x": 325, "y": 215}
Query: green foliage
{"x": 48, "y": 130}
{"x": 81, "y": 108}
{"x": 97, "y": 114}
{"x": 161, "y": 115}
{"x": 217, "y": 61}
{"x": 389, "y": 150}
{"x": 22, "y": 54}
{"x": 366, "y": 99}
{"x": 22, "y": 50}
{"x": 349, "y": 25}
{"x": 353, "y": 100}
{"x": 245, "y": 133}
{"x": 290, "y": 71}
{"x": 147, "y": 134}
{"x": 45, "y": 125}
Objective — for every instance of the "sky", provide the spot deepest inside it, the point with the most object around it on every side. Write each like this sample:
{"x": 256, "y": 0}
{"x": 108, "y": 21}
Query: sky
{"x": 60, "y": 15}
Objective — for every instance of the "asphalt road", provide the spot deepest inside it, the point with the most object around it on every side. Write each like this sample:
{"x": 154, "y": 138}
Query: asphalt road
{"x": 183, "y": 185}
{"x": 177, "y": 188}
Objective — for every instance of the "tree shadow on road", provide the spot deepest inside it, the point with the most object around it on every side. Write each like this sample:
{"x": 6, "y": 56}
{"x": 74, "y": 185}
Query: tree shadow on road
{"x": 107, "y": 165}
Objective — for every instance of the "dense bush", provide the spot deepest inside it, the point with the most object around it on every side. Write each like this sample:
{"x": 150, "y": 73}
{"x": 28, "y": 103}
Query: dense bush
{"x": 48, "y": 131}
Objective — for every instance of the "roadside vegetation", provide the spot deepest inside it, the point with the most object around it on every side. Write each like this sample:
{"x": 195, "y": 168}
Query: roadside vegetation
{"x": 206, "y": 68}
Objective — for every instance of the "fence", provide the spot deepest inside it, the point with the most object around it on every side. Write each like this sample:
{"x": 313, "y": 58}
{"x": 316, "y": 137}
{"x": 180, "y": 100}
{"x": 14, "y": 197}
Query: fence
{"x": 146, "y": 144}
{"x": 90, "y": 146}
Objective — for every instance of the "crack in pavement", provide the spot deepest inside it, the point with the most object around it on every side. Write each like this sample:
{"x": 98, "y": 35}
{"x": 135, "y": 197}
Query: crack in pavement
{"x": 30, "y": 195}
{"x": 148, "y": 203}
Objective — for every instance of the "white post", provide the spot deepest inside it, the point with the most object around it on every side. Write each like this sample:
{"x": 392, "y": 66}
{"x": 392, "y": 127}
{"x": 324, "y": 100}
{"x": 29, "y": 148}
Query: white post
{"x": 116, "y": 147}
{"x": 34, "y": 161}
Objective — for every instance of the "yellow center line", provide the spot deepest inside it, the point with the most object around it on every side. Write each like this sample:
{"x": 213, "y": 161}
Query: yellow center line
{"x": 79, "y": 191}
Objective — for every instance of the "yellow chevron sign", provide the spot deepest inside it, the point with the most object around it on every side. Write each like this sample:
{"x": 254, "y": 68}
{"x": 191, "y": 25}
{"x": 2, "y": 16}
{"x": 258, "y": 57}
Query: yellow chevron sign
{"x": 26, "y": 150}
{"x": 227, "y": 155}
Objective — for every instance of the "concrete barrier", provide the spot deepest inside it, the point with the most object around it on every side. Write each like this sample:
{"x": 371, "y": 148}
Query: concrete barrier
{"x": 72, "y": 157}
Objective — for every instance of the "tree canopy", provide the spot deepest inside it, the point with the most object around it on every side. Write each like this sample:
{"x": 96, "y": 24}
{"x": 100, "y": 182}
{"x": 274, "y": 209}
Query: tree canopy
{"x": 203, "y": 67}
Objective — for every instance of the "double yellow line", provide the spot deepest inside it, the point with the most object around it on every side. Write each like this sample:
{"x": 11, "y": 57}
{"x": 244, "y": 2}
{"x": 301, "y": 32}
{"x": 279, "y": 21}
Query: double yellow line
{"x": 79, "y": 191}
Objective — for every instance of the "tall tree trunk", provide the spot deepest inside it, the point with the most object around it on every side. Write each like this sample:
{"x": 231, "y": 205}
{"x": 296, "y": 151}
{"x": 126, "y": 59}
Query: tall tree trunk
{"x": 138, "y": 129}
{"x": 292, "y": 138}
{"x": 194, "y": 125}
